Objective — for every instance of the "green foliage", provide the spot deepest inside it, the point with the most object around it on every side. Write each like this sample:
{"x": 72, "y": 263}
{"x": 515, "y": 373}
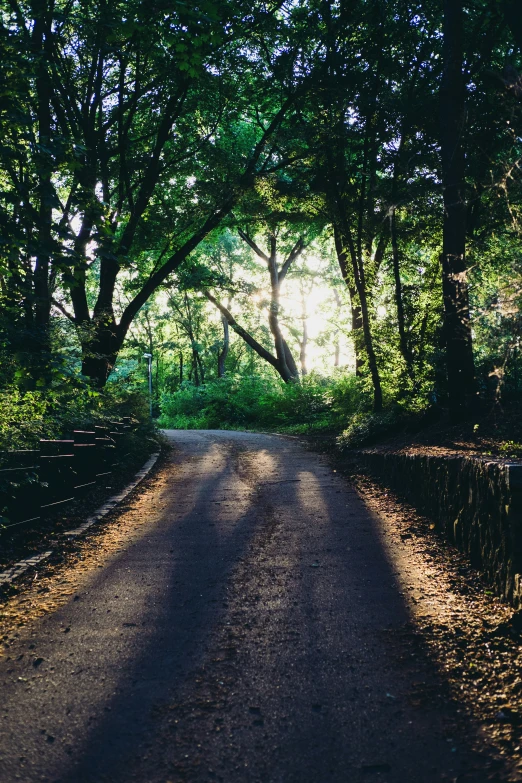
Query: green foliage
{"x": 136, "y": 181}
{"x": 26, "y": 417}
{"x": 511, "y": 448}
{"x": 247, "y": 402}
{"x": 365, "y": 428}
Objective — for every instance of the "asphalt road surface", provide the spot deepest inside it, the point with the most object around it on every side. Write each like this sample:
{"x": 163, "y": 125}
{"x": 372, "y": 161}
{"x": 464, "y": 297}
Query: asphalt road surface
{"x": 250, "y": 629}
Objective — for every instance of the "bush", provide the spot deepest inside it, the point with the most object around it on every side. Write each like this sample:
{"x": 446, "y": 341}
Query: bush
{"x": 26, "y": 417}
{"x": 367, "y": 427}
{"x": 316, "y": 405}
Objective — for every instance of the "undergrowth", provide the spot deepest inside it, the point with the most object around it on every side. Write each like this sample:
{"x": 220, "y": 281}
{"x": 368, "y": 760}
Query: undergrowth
{"x": 28, "y": 416}
{"x": 317, "y": 405}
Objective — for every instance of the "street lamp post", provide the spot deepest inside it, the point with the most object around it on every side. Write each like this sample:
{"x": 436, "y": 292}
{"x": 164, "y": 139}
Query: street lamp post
{"x": 148, "y": 356}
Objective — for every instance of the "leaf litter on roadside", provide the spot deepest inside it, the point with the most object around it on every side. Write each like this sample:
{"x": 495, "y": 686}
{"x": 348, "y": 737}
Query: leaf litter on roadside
{"x": 472, "y": 637}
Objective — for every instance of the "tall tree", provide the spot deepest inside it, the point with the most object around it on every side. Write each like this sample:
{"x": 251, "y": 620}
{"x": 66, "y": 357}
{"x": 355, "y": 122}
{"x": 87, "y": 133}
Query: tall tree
{"x": 457, "y": 326}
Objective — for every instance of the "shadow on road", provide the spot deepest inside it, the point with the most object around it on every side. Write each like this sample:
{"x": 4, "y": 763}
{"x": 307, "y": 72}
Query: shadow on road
{"x": 270, "y": 638}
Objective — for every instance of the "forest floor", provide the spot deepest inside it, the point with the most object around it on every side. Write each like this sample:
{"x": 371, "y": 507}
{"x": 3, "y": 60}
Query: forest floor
{"x": 497, "y": 432}
{"x": 250, "y": 614}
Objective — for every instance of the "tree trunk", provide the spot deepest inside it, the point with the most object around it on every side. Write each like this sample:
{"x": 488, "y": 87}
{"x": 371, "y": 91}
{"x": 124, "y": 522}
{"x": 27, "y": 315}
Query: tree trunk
{"x": 42, "y": 296}
{"x": 368, "y": 341}
{"x": 100, "y": 350}
{"x": 355, "y": 307}
{"x": 195, "y": 367}
{"x": 97, "y": 366}
{"x": 199, "y": 362}
{"x": 357, "y": 332}
{"x": 251, "y": 341}
{"x": 282, "y": 350}
{"x": 222, "y": 355}
{"x": 403, "y": 337}
{"x": 457, "y": 327}
{"x": 290, "y": 362}
{"x": 343, "y": 253}
{"x": 337, "y": 344}
{"x": 303, "y": 347}
{"x": 287, "y": 367}
{"x": 285, "y": 362}
{"x": 303, "y": 344}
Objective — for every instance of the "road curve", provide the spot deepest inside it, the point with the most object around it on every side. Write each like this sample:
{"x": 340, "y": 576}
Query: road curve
{"x": 251, "y": 629}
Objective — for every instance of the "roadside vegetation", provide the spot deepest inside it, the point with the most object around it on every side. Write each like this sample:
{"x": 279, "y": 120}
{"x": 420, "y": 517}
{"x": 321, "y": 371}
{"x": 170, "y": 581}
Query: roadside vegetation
{"x": 28, "y": 416}
{"x": 317, "y": 405}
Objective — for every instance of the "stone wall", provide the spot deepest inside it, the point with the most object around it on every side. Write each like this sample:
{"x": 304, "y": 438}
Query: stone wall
{"x": 475, "y": 502}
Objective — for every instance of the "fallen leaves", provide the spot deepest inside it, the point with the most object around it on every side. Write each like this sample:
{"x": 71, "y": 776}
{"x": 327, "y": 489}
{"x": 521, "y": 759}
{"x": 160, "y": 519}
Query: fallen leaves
{"x": 473, "y": 638}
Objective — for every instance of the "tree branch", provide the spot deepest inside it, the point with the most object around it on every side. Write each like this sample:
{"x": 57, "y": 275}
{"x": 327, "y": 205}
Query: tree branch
{"x": 251, "y": 341}
{"x": 62, "y": 309}
{"x": 257, "y": 250}
{"x": 296, "y": 252}
{"x": 212, "y": 221}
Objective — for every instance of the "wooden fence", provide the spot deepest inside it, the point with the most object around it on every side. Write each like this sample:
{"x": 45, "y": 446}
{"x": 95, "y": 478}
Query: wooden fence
{"x": 33, "y": 482}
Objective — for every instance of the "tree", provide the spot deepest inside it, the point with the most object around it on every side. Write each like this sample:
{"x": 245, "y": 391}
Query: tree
{"x": 283, "y": 360}
{"x": 136, "y": 143}
{"x": 189, "y": 318}
{"x": 457, "y": 326}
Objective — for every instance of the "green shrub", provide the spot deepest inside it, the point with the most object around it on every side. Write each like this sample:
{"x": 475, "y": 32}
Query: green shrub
{"x": 316, "y": 404}
{"x": 28, "y": 416}
{"x": 365, "y": 428}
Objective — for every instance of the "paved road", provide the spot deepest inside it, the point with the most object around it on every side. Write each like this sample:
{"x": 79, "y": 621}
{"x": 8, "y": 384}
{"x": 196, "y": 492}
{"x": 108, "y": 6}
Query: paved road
{"x": 251, "y": 630}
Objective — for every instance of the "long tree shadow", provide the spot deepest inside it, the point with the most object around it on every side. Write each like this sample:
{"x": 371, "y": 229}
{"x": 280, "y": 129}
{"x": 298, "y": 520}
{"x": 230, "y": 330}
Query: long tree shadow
{"x": 317, "y": 686}
{"x": 173, "y": 637}
{"x": 339, "y": 685}
{"x": 367, "y": 699}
